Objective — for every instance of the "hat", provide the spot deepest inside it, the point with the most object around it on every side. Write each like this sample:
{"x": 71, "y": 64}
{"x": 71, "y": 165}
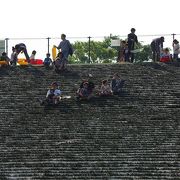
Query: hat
{"x": 54, "y": 84}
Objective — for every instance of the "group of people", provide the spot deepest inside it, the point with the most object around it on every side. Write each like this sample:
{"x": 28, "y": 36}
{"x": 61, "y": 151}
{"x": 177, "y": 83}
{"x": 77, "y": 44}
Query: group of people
{"x": 125, "y": 53}
{"x": 18, "y": 48}
{"x": 65, "y": 49}
{"x": 14, "y": 55}
{"x": 126, "y": 50}
{"x": 86, "y": 90}
{"x": 163, "y": 54}
{"x": 61, "y": 59}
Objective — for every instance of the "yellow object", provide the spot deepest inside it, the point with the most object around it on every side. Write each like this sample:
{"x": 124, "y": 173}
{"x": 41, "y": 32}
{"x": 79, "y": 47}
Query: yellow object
{"x": 54, "y": 52}
{"x": 22, "y": 62}
{"x": 3, "y": 63}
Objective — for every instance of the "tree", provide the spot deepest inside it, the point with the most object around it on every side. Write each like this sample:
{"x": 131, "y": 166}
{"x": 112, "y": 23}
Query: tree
{"x": 99, "y": 51}
{"x": 145, "y": 54}
{"x": 102, "y": 52}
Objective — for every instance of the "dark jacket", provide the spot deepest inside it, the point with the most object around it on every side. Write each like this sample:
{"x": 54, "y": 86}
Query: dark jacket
{"x": 132, "y": 39}
{"x": 20, "y": 47}
{"x": 156, "y": 44}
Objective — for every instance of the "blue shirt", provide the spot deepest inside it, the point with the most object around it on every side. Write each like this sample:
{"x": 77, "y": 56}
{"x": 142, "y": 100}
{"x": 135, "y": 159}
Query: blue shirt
{"x": 47, "y": 60}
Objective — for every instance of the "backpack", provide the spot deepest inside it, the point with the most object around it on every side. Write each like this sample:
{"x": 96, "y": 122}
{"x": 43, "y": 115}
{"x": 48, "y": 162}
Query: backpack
{"x": 71, "y": 50}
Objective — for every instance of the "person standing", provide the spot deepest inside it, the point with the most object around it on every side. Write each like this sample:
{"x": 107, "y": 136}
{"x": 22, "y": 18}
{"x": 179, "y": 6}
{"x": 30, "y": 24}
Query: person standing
{"x": 132, "y": 39}
{"x": 157, "y": 47}
{"x": 176, "y": 49}
{"x": 65, "y": 47}
{"x": 12, "y": 56}
{"x": 21, "y": 47}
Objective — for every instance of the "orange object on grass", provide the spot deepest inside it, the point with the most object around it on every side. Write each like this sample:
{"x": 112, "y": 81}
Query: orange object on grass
{"x": 22, "y": 62}
{"x": 3, "y": 63}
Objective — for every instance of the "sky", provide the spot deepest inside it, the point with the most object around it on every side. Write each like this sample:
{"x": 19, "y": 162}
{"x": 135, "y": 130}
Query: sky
{"x": 83, "y": 18}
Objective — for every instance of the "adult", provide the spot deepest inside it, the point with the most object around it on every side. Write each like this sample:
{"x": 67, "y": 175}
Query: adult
{"x": 157, "y": 47}
{"x": 176, "y": 49}
{"x": 65, "y": 47}
{"x": 86, "y": 88}
{"x": 117, "y": 84}
{"x": 21, "y": 47}
{"x": 132, "y": 39}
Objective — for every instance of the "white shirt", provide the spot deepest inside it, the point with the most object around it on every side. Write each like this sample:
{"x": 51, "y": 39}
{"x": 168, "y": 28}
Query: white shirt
{"x": 32, "y": 56}
{"x": 57, "y": 92}
{"x": 176, "y": 48}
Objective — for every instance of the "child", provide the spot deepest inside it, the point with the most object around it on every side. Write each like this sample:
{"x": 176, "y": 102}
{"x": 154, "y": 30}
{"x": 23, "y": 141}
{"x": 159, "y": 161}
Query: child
{"x": 105, "y": 89}
{"x": 12, "y": 56}
{"x": 91, "y": 85}
{"x": 59, "y": 62}
{"x": 53, "y": 95}
{"x": 5, "y": 58}
{"x": 83, "y": 92}
{"x": 86, "y": 88}
{"x": 165, "y": 55}
{"x": 33, "y": 55}
{"x": 47, "y": 60}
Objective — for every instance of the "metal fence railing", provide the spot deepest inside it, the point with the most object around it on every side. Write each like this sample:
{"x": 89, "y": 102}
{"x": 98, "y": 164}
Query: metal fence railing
{"x": 44, "y": 45}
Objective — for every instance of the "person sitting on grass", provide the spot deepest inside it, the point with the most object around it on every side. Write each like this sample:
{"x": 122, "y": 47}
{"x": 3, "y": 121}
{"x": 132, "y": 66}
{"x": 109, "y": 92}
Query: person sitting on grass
{"x": 83, "y": 92}
{"x": 5, "y": 58}
{"x": 33, "y": 55}
{"x": 59, "y": 63}
{"x": 117, "y": 84}
{"x": 53, "y": 95}
{"x": 86, "y": 88}
{"x": 47, "y": 60}
{"x": 165, "y": 56}
{"x": 105, "y": 89}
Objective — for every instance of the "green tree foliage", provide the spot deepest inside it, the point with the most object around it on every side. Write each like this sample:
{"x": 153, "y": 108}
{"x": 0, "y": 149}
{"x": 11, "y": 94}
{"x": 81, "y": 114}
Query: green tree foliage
{"x": 145, "y": 54}
{"x": 102, "y": 52}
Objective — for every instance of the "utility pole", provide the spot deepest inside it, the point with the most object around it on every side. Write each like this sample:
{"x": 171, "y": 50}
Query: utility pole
{"x": 6, "y": 41}
{"x": 173, "y": 36}
{"x": 89, "y": 49}
{"x": 110, "y": 36}
{"x": 48, "y": 43}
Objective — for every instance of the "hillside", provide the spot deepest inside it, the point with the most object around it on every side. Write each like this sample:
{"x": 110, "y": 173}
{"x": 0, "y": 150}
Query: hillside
{"x": 132, "y": 136}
